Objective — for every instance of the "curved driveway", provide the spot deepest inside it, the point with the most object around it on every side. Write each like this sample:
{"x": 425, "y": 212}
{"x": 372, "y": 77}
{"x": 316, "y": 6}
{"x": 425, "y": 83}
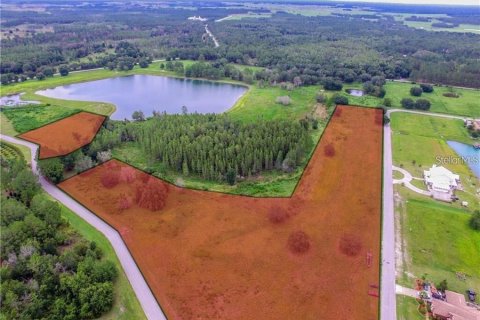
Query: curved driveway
{"x": 144, "y": 294}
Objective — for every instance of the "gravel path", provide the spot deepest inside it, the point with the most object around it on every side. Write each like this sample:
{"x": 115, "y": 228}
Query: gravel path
{"x": 144, "y": 294}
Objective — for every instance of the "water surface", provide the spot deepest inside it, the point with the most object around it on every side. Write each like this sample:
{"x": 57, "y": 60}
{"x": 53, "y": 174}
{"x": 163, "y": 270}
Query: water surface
{"x": 469, "y": 155}
{"x": 148, "y": 93}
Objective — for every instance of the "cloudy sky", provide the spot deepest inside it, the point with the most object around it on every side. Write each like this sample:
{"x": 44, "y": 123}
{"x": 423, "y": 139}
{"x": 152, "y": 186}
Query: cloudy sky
{"x": 449, "y": 2}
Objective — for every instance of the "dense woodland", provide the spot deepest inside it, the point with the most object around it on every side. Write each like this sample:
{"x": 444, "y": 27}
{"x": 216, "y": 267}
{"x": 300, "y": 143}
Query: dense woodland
{"x": 47, "y": 270}
{"x": 345, "y": 47}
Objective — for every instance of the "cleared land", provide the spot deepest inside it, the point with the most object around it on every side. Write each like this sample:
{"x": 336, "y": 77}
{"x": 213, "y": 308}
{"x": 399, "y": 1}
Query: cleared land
{"x": 212, "y": 255}
{"x": 65, "y": 136}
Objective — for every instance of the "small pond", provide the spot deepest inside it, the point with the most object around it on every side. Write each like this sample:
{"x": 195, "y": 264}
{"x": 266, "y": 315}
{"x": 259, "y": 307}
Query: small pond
{"x": 148, "y": 93}
{"x": 468, "y": 155}
{"x": 14, "y": 100}
{"x": 355, "y": 92}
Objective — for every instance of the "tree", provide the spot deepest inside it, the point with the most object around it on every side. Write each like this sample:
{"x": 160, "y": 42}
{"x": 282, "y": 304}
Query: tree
{"x": 339, "y": 99}
{"x": 443, "y": 285}
{"x": 475, "y": 220}
{"x": 152, "y": 195}
{"x": 332, "y": 84}
{"x": 104, "y": 156}
{"x": 52, "y": 169}
{"x": 25, "y": 185}
{"x": 298, "y": 242}
{"x": 83, "y": 163}
{"x": 416, "y": 91}
{"x": 422, "y": 104}
{"x": 138, "y": 116}
{"x": 426, "y": 87}
{"x": 143, "y": 63}
{"x": 407, "y": 103}
{"x": 40, "y": 76}
{"x": 321, "y": 98}
{"x": 63, "y": 71}
{"x": 231, "y": 177}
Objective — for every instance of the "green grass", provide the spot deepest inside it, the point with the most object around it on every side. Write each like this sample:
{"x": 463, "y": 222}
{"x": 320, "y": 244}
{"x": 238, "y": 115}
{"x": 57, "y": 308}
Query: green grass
{"x": 407, "y": 308}
{"x": 441, "y": 243}
{"x": 419, "y": 141}
{"x": 10, "y": 152}
{"x": 259, "y": 103}
{"x": 126, "y": 305}
{"x": 26, "y": 118}
{"x": 467, "y": 104}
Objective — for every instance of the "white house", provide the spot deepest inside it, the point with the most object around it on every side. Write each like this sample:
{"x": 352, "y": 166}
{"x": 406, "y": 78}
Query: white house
{"x": 441, "y": 182}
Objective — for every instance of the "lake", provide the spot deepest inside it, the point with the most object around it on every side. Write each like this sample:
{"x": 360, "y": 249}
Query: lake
{"x": 469, "y": 155}
{"x": 148, "y": 93}
{"x": 355, "y": 92}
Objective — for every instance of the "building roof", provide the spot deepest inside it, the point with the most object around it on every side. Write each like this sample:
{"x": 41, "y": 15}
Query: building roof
{"x": 454, "y": 308}
{"x": 441, "y": 178}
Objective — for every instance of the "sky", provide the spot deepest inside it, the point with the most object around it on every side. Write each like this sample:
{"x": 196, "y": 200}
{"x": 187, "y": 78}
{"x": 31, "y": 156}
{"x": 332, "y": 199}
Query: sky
{"x": 448, "y": 2}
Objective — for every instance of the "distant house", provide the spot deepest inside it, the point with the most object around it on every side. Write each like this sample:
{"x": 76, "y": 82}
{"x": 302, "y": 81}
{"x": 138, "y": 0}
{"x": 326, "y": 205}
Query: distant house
{"x": 441, "y": 182}
{"x": 197, "y": 18}
{"x": 454, "y": 307}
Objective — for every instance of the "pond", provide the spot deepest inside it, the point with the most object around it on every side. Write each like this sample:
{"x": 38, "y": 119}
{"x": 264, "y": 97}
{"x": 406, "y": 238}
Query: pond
{"x": 355, "y": 92}
{"x": 148, "y": 93}
{"x": 468, "y": 155}
{"x": 14, "y": 100}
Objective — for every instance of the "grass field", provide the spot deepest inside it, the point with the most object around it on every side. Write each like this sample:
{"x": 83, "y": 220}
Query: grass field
{"x": 407, "y": 308}
{"x": 419, "y": 141}
{"x": 126, "y": 305}
{"x": 440, "y": 243}
{"x": 9, "y": 151}
{"x": 467, "y": 104}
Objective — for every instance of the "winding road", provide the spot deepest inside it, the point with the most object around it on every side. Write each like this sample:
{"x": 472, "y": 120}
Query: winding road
{"x": 144, "y": 294}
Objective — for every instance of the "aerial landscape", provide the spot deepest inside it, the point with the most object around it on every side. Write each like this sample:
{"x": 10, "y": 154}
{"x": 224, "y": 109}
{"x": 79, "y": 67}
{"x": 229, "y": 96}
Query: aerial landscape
{"x": 240, "y": 159}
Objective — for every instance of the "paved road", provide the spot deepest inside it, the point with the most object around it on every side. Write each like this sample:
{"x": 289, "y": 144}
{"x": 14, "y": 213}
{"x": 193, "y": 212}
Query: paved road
{"x": 145, "y": 296}
{"x": 388, "y": 287}
{"x": 388, "y": 303}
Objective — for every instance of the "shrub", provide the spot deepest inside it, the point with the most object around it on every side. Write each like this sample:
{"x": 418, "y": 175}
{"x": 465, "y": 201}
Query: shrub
{"x": 407, "y": 103}
{"x": 52, "y": 169}
{"x": 277, "y": 215}
{"x": 451, "y": 95}
{"x": 426, "y": 87}
{"x": 110, "y": 178}
{"x": 285, "y": 100}
{"x": 387, "y": 102}
{"x": 338, "y": 99}
{"x": 422, "y": 104}
{"x": 298, "y": 242}
{"x": 231, "y": 177}
{"x": 475, "y": 220}
{"x": 321, "y": 98}
{"x": 416, "y": 91}
{"x": 329, "y": 150}
{"x": 152, "y": 195}
{"x": 124, "y": 202}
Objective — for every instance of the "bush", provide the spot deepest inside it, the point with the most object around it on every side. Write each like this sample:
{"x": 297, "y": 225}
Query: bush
{"x": 63, "y": 71}
{"x": 152, "y": 195}
{"x": 329, "y": 150}
{"x": 332, "y": 84}
{"x": 338, "y": 99}
{"x": 422, "y": 104}
{"x": 321, "y": 98}
{"x": 298, "y": 242}
{"x": 387, "y": 102}
{"x": 416, "y": 91}
{"x": 451, "y": 95}
{"x": 407, "y": 103}
{"x": 231, "y": 177}
{"x": 426, "y": 87}
{"x": 277, "y": 215}
{"x": 475, "y": 220}
{"x": 110, "y": 178}
{"x": 285, "y": 100}
{"x": 52, "y": 169}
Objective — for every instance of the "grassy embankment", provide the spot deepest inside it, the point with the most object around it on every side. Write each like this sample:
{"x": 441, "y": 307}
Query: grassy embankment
{"x": 419, "y": 141}
{"x": 407, "y": 308}
{"x": 467, "y": 104}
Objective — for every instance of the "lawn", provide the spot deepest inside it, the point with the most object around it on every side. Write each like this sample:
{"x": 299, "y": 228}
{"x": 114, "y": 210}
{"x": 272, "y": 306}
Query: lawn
{"x": 24, "y": 119}
{"x": 126, "y": 305}
{"x": 418, "y": 143}
{"x": 11, "y": 152}
{"x": 467, "y": 104}
{"x": 407, "y": 308}
{"x": 440, "y": 243}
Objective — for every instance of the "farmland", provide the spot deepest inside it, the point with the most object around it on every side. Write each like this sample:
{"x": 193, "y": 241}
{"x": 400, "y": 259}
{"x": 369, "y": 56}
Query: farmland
{"x": 66, "y": 135}
{"x": 226, "y": 246}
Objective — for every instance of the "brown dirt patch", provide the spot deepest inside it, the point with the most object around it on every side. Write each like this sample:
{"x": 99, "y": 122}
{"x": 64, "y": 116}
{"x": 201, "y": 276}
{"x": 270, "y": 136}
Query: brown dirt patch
{"x": 320, "y": 111}
{"x": 350, "y": 245}
{"x": 65, "y": 136}
{"x": 208, "y": 255}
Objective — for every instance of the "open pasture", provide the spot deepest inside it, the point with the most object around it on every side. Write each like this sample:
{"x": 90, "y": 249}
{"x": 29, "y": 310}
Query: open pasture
{"x": 217, "y": 256}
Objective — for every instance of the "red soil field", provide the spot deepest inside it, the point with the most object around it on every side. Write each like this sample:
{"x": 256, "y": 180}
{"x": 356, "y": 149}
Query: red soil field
{"x": 209, "y": 255}
{"x": 65, "y": 136}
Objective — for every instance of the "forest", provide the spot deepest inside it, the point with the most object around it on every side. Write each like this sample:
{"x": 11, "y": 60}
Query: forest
{"x": 209, "y": 146}
{"x": 48, "y": 271}
{"x": 345, "y": 47}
